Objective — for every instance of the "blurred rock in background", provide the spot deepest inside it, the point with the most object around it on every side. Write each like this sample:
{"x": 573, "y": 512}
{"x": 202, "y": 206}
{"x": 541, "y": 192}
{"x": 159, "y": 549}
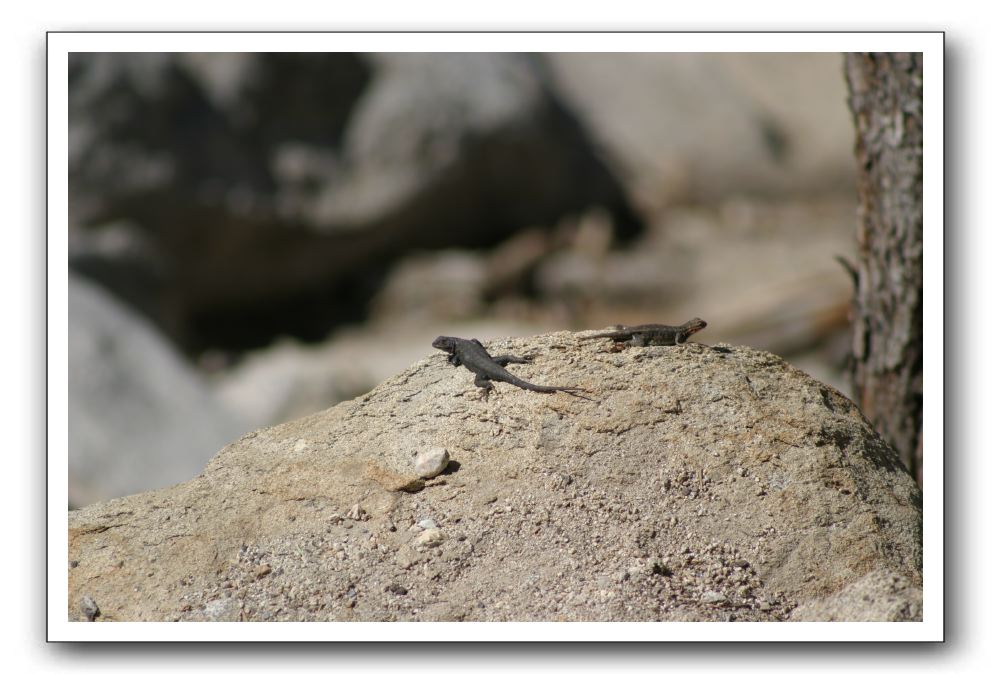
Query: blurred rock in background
{"x": 140, "y": 416}
{"x": 301, "y": 226}
{"x": 701, "y": 128}
{"x": 274, "y": 190}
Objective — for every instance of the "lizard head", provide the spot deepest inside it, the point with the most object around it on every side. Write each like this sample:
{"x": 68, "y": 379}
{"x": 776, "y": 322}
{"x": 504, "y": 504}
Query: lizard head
{"x": 444, "y": 344}
{"x": 694, "y": 325}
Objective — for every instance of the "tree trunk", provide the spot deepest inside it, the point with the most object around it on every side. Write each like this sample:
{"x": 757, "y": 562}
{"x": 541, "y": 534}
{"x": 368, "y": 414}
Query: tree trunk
{"x": 886, "y": 368}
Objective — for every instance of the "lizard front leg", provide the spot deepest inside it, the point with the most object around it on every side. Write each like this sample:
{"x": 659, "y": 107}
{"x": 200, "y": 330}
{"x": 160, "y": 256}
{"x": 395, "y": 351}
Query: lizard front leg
{"x": 638, "y": 340}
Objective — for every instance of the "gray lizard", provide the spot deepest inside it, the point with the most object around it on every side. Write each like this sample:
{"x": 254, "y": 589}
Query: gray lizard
{"x": 652, "y": 334}
{"x": 471, "y": 354}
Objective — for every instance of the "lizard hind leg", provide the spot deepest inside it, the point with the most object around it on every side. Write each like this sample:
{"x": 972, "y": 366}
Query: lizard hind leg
{"x": 485, "y": 384}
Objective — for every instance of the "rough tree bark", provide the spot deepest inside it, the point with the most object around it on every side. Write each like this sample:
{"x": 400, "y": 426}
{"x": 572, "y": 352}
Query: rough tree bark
{"x": 886, "y": 101}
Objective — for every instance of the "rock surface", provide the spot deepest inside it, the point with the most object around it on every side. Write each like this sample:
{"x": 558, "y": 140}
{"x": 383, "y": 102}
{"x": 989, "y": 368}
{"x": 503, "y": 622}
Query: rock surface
{"x": 878, "y": 596}
{"x": 702, "y": 483}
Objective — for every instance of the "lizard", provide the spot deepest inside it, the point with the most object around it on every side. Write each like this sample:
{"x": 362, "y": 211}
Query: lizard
{"x": 487, "y": 368}
{"x": 652, "y": 334}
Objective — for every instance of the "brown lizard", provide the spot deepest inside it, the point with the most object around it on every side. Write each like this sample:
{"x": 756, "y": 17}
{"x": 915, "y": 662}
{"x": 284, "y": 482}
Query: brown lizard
{"x": 652, "y": 334}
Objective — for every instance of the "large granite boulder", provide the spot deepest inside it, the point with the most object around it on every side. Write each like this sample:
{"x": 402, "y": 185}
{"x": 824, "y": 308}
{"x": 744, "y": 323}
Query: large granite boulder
{"x": 690, "y": 483}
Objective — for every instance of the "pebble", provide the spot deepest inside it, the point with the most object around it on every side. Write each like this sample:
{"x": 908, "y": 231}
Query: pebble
{"x": 89, "y": 608}
{"x": 357, "y": 513}
{"x": 431, "y": 462}
{"x": 427, "y": 524}
{"x": 223, "y": 609}
{"x": 430, "y": 538}
{"x": 712, "y": 597}
{"x": 406, "y": 558}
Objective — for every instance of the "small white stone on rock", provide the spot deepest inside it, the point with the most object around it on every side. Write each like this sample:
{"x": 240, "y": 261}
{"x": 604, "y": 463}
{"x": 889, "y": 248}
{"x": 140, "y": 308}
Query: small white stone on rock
{"x": 427, "y": 524}
{"x": 431, "y": 462}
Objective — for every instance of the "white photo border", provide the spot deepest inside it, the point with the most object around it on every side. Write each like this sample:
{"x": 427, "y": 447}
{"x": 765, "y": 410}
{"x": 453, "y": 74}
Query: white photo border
{"x": 60, "y": 44}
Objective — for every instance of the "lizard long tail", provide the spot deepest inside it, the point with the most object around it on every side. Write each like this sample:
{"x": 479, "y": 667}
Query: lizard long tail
{"x": 598, "y": 336}
{"x": 523, "y": 384}
{"x": 570, "y": 390}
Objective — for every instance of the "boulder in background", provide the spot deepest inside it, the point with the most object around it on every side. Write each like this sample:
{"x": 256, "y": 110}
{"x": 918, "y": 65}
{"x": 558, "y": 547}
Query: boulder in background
{"x": 140, "y": 417}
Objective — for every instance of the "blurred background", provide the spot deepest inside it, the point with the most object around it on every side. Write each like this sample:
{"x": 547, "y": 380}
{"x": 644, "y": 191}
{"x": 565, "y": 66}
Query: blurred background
{"x": 256, "y": 237}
